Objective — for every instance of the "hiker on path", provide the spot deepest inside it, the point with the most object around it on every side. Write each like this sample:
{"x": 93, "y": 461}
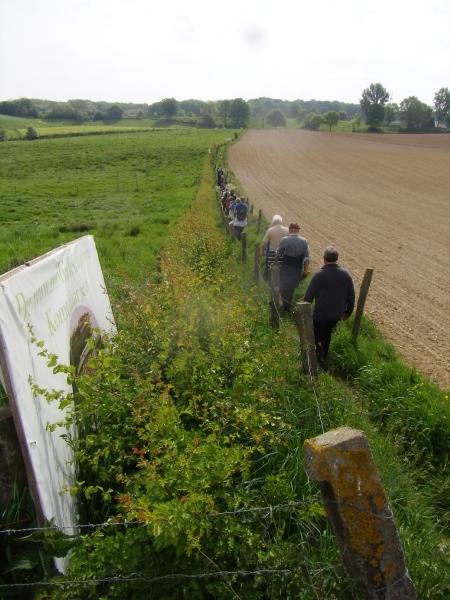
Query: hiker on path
{"x": 271, "y": 241}
{"x": 332, "y": 289}
{"x": 295, "y": 252}
{"x": 240, "y": 221}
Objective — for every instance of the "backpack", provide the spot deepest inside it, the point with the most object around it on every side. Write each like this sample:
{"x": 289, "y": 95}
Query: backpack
{"x": 241, "y": 213}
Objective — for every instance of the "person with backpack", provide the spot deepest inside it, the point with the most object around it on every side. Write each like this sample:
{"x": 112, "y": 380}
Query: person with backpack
{"x": 295, "y": 252}
{"x": 240, "y": 217}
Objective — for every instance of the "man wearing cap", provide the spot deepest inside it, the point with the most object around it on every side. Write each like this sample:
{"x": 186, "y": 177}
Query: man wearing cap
{"x": 271, "y": 241}
{"x": 332, "y": 289}
{"x": 295, "y": 253}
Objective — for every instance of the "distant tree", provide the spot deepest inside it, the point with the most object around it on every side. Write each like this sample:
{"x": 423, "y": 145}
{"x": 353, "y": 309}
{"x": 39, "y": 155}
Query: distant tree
{"x": 295, "y": 109}
{"x": 357, "y": 121}
{"x": 23, "y": 107}
{"x": 98, "y": 115}
{"x": 447, "y": 121}
{"x": 192, "y": 105}
{"x": 262, "y": 115}
{"x": 114, "y": 113}
{"x": 224, "y": 111}
{"x": 390, "y": 112}
{"x": 31, "y": 133}
{"x": 372, "y": 102}
{"x": 154, "y": 109}
{"x": 331, "y": 118}
{"x": 276, "y": 118}
{"x": 343, "y": 115}
{"x": 312, "y": 121}
{"x": 3, "y": 136}
{"x": 140, "y": 114}
{"x": 415, "y": 113}
{"x": 442, "y": 104}
{"x": 208, "y": 121}
{"x": 210, "y": 108}
{"x": 61, "y": 110}
{"x": 169, "y": 107}
{"x": 240, "y": 112}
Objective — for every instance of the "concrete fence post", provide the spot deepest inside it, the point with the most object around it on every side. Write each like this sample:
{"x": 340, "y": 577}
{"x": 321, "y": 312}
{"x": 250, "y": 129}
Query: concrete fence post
{"x": 257, "y": 260}
{"x": 307, "y": 342}
{"x": 275, "y": 295}
{"x": 361, "y": 302}
{"x": 357, "y": 506}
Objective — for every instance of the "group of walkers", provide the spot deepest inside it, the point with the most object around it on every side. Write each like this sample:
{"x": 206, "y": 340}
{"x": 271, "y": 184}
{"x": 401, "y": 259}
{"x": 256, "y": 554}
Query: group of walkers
{"x": 233, "y": 206}
{"x": 330, "y": 288}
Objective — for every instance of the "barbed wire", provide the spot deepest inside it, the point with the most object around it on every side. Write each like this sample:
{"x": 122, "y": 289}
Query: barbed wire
{"x": 170, "y": 576}
{"x": 266, "y": 509}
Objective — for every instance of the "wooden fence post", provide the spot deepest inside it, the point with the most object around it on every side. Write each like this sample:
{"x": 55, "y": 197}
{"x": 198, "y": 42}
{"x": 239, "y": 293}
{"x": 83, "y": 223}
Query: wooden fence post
{"x": 257, "y": 261}
{"x": 361, "y": 302}
{"x": 244, "y": 246}
{"x": 251, "y": 209}
{"x": 13, "y": 468}
{"x": 357, "y": 506}
{"x": 307, "y": 342}
{"x": 275, "y": 295}
{"x": 258, "y": 229}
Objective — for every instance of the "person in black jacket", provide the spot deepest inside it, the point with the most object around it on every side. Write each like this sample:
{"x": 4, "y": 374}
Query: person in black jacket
{"x": 331, "y": 287}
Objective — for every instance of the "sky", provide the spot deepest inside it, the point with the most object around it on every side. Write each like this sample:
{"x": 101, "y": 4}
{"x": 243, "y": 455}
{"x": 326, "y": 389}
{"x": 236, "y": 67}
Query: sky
{"x": 142, "y": 51}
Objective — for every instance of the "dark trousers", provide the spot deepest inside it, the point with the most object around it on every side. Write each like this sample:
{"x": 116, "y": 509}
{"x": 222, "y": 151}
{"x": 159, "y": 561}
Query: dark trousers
{"x": 322, "y": 336}
{"x": 290, "y": 277}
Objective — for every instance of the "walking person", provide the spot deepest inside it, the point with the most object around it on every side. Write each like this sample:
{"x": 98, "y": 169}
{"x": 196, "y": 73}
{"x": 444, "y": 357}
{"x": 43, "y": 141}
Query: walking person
{"x": 240, "y": 210}
{"x": 271, "y": 241}
{"x": 331, "y": 287}
{"x": 295, "y": 253}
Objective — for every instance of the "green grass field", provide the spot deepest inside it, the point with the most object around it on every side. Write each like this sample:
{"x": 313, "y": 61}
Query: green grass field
{"x": 124, "y": 188}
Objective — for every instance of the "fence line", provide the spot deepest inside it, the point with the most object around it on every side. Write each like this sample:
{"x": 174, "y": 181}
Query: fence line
{"x": 171, "y": 576}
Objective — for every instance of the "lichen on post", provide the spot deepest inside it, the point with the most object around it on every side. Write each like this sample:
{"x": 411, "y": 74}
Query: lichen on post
{"x": 358, "y": 508}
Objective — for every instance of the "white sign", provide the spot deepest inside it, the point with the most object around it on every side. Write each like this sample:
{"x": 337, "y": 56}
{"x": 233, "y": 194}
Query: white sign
{"x": 60, "y": 295}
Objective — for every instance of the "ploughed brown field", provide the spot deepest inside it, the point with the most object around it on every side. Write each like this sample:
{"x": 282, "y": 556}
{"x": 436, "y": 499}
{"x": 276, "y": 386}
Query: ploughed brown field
{"x": 384, "y": 201}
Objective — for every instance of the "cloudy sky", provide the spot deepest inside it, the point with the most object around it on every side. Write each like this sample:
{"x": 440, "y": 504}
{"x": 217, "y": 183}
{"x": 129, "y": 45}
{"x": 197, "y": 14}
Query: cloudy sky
{"x": 143, "y": 50}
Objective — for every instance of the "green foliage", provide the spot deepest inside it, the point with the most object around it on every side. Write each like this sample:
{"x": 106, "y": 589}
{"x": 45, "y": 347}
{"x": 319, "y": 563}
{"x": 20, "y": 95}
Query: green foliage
{"x": 276, "y": 118}
{"x": 240, "y": 112}
{"x": 442, "y": 104}
{"x": 415, "y": 113}
{"x": 169, "y": 107}
{"x": 114, "y": 113}
{"x": 62, "y": 110}
{"x": 390, "y": 112}
{"x": 3, "y": 136}
{"x": 208, "y": 121}
{"x": 312, "y": 121}
{"x": 331, "y": 118}
{"x": 31, "y": 134}
{"x": 23, "y": 107}
{"x": 294, "y": 109}
{"x": 224, "y": 110}
{"x": 373, "y": 100}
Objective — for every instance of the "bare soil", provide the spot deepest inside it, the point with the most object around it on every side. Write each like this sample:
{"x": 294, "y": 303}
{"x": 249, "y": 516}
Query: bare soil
{"x": 384, "y": 201}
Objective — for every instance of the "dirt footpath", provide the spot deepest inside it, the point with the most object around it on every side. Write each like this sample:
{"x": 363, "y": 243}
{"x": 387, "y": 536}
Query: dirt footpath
{"x": 384, "y": 201}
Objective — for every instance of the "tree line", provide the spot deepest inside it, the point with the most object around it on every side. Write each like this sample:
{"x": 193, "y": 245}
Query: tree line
{"x": 374, "y": 107}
